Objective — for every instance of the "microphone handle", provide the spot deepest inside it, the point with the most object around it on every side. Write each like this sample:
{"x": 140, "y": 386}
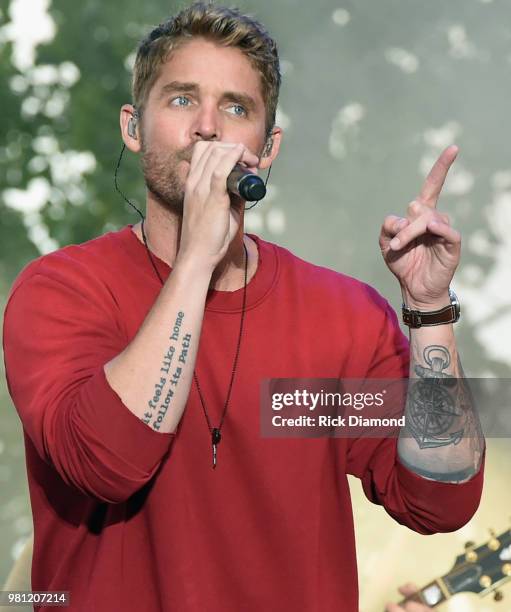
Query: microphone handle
{"x": 245, "y": 184}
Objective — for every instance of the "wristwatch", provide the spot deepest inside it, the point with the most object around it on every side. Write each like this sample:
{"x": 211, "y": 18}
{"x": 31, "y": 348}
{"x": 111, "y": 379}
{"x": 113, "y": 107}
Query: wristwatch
{"x": 417, "y": 318}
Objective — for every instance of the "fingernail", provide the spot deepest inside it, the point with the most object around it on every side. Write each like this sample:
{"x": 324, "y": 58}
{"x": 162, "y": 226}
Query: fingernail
{"x": 394, "y": 243}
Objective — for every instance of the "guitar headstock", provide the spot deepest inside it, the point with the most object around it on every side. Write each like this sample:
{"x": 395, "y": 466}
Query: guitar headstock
{"x": 481, "y": 569}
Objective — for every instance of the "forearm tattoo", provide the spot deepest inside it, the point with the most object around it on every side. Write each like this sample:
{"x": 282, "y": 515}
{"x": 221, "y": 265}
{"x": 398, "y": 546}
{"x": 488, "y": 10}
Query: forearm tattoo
{"x": 159, "y": 403}
{"x": 431, "y": 407}
{"x": 440, "y": 412}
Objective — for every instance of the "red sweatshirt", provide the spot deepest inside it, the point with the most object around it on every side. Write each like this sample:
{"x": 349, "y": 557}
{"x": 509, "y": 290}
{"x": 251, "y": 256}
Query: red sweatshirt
{"x": 130, "y": 519}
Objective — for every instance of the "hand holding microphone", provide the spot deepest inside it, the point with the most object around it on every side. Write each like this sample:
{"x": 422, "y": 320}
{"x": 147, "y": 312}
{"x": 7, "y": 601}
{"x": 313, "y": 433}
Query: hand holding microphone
{"x": 210, "y": 218}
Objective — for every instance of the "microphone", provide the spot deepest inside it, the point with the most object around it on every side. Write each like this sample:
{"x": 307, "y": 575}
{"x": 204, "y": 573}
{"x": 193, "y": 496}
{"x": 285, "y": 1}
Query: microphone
{"x": 245, "y": 184}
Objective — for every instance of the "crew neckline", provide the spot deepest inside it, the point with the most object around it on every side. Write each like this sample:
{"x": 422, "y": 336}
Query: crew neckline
{"x": 259, "y": 286}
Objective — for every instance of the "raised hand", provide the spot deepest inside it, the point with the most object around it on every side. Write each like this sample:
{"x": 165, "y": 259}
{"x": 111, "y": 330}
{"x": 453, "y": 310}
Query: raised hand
{"x": 422, "y": 250}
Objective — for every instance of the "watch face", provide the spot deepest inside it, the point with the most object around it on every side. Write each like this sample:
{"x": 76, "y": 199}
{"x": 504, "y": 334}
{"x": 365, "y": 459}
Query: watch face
{"x": 456, "y": 303}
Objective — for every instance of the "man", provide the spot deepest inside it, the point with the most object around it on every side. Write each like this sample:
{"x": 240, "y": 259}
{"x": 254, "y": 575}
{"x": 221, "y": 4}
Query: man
{"x": 108, "y": 342}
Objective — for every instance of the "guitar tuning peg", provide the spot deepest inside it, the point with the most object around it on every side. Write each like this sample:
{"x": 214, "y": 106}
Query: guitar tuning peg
{"x": 498, "y": 596}
{"x": 493, "y": 543}
{"x": 470, "y": 555}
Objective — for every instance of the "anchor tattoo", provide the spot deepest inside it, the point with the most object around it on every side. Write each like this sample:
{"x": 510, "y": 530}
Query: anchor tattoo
{"x": 431, "y": 408}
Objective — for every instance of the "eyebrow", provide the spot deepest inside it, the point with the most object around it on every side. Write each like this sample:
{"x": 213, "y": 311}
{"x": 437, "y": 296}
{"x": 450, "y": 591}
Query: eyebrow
{"x": 231, "y": 96}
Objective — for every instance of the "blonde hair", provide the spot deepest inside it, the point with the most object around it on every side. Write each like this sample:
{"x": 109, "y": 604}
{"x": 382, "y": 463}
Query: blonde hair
{"x": 222, "y": 25}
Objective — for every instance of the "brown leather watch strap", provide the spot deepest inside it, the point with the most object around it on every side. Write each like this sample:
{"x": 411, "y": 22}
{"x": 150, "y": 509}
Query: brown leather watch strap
{"x": 418, "y": 318}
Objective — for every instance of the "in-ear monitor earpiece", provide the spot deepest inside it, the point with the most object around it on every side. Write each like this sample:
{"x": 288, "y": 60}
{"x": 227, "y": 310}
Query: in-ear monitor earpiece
{"x": 132, "y": 125}
{"x": 268, "y": 147}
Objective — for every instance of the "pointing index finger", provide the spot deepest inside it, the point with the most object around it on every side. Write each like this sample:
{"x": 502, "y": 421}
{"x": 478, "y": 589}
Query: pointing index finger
{"x": 435, "y": 180}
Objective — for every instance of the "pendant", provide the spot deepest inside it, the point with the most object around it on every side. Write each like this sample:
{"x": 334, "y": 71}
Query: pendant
{"x": 215, "y": 440}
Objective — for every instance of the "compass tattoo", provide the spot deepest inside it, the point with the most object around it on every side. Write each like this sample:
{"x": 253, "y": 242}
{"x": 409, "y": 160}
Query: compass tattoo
{"x": 440, "y": 413}
{"x": 432, "y": 411}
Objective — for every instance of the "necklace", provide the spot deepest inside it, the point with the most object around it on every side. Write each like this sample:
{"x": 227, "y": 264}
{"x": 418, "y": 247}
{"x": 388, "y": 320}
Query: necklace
{"x": 215, "y": 432}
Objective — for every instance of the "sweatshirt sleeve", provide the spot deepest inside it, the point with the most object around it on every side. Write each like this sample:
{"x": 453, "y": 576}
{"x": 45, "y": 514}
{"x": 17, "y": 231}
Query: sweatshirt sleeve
{"x": 58, "y": 334}
{"x": 424, "y": 505}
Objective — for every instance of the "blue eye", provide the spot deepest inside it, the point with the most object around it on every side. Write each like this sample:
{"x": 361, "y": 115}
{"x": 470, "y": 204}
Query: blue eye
{"x": 179, "y": 98}
{"x": 238, "y": 106}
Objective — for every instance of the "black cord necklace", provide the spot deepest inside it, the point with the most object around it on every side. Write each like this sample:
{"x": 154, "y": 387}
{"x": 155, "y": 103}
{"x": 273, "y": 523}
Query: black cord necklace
{"x": 215, "y": 432}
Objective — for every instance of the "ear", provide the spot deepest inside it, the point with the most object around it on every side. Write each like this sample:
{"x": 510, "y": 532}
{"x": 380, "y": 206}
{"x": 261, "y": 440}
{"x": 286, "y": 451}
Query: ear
{"x": 130, "y": 134}
{"x": 271, "y": 148}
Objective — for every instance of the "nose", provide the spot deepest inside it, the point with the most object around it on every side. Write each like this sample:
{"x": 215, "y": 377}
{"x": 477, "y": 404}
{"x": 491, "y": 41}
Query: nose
{"x": 206, "y": 124}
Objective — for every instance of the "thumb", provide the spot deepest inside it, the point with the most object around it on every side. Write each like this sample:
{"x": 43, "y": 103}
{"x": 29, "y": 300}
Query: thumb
{"x": 408, "y": 589}
{"x": 391, "y": 226}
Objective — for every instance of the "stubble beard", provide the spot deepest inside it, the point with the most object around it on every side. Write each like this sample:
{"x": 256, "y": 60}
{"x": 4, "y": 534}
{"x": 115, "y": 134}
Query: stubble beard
{"x": 161, "y": 176}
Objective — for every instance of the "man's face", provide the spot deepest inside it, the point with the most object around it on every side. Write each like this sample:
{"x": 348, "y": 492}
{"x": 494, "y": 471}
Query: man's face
{"x": 203, "y": 92}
